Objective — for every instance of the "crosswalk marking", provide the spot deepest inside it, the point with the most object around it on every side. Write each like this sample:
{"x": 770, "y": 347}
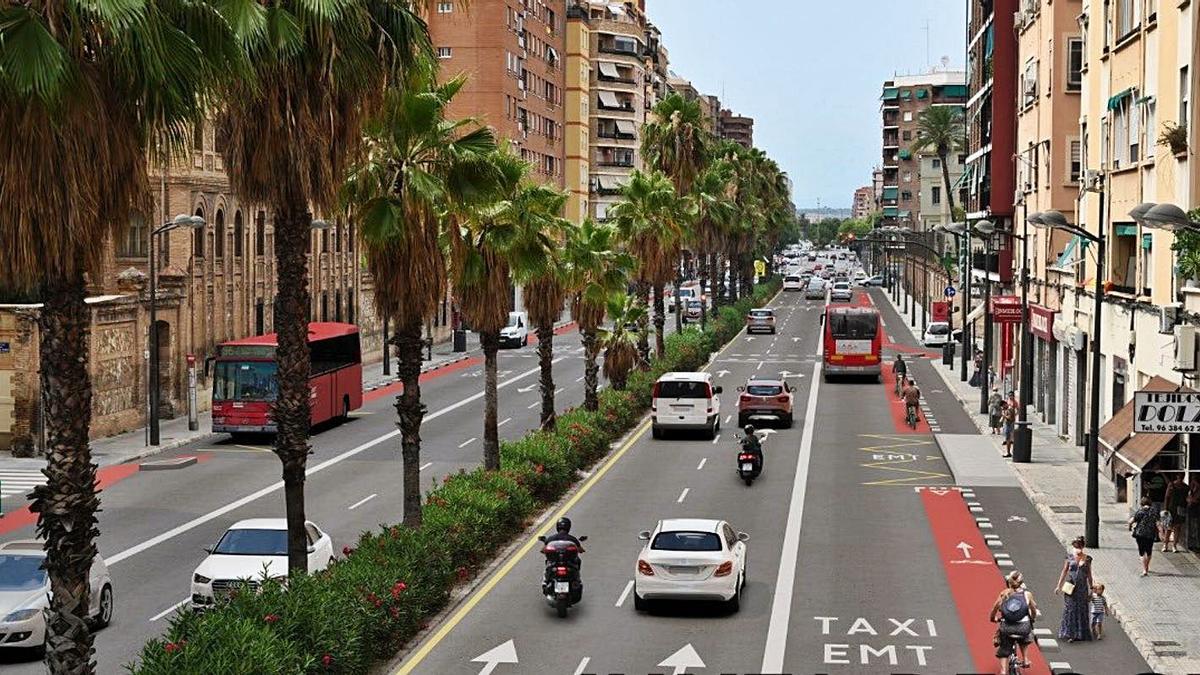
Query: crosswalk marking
{"x": 20, "y": 481}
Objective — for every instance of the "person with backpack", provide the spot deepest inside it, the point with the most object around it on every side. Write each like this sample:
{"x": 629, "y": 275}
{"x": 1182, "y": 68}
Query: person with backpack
{"x": 1144, "y": 526}
{"x": 1015, "y": 611}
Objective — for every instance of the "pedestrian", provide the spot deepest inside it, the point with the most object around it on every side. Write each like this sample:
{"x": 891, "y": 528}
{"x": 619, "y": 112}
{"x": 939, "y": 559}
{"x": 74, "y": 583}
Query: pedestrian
{"x": 1008, "y": 420}
{"x": 1075, "y": 583}
{"x": 1144, "y": 526}
{"x": 995, "y": 407}
{"x": 1174, "y": 513}
{"x": 1099, "y": 611}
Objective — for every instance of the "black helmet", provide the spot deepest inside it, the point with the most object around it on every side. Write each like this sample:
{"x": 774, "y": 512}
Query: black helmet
{"x": 749, "y": 430}
{"x": 563, "y": 525}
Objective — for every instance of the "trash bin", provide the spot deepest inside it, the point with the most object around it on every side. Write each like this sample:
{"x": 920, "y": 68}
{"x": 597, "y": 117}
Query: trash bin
{"x": 948, "y": 354}
{"x": 460, "y": 340}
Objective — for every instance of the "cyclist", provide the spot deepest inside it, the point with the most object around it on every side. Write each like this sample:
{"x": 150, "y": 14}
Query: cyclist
{"x": 912, "y": 399}
{"x": 900, "y": 370}
{"x": 1015, "y": 611}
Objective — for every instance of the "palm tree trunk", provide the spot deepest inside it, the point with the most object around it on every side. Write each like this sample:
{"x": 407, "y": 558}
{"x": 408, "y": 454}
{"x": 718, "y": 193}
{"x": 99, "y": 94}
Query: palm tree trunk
{"x": 718, "y": 281}
{"x": 643, "y": 290}
{"x": 545, "y": 350}
{"x": 66, "y": 505}
{"x": 491, "y": 433}
{"x": 734, "y": 273}
{"x": 702, "y": 269}
{"x": 946, "y": 182}
{"x": 591, "y": 371}
{"x": 291, "y": 410}
{"x": 660, "y": 320}
{"x": 410, "y": 412}
{"x": 678, "y": 305}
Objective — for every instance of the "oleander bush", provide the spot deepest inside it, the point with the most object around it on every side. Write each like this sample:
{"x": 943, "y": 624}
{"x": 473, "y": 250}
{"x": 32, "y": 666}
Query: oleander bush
{"x": 368, "y": 604}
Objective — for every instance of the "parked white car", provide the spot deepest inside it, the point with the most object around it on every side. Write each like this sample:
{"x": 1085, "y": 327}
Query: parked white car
{"x": 691, "y": 559}
{"x": 25, "y": 594}
{"x": 250, "y": 551}
{"x": 516, "y": 333}
{"x": 936, "y": 334}
{"x": 685, "y": 402}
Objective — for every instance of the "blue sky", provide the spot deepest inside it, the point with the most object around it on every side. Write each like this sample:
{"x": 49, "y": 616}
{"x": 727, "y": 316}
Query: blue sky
{"x": 809, "y": 72}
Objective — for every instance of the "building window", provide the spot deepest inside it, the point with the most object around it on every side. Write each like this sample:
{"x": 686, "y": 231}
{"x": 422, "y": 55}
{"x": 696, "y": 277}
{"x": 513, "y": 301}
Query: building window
{"x": 1074, "y": 64}
{"x": 136, "y": 239}
{"x": 1126, "y": 131}
{"x": 1076, "y": 165}
{"x": 908, "y": 116}
{"x": 906, "y": 135}
{"x": 198, "y": 136}
{"x": 1029, "y": 83}
{"x": 337, "y": 240}
{"x": 937, "y": 163}
{"x": 935, "y": 195}
{"x": 445, "y": 7}
{"x": 198, "y": 235}
{"x": 239, "y": 233}
{"x": 906, "y": 196}
{"x": 907, "y": 176}
{"x": 260, "y": 233}
{"x": 1148, "y": 126}
{"x": 1184, "y": 96}
{"x": 1126, "y": 19}
{"x": 325, "y": 240}
{"x": 443, "y": 52}
{"x": 219, "y": 236}
{"x": 350, "y": 237}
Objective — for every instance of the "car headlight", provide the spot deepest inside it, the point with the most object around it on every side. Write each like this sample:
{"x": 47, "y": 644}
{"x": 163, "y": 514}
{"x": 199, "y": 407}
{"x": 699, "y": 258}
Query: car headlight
{"x": 22, "y": 615}
{"x": 200, "y": 579}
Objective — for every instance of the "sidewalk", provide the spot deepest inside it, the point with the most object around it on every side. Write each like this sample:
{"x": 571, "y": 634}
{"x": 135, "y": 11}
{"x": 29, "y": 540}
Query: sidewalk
{"x": 1157, "y": 612}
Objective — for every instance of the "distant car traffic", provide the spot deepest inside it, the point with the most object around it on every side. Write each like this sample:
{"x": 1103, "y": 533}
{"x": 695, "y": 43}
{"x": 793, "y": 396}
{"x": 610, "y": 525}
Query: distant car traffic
{"x": 690, "y": 559}
{"x": 876, "y": 280}
{"x": 765, "y": 397}
{"x": 25, "y": 595}
{"x": 792, "y": 283}
{"x": 516, "y": 333}
{"x": 760, "y": 320}
{"x": 841, "y": 292}
{"x": 815, "y": 290}
{"x": 249, "y": 551}
{"x": 683, "y": 401}
{"x": 936, "y": 334}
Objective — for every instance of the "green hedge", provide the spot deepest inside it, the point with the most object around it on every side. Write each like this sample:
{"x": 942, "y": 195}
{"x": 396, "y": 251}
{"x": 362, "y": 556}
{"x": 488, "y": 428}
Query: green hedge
{"x": 366, "y": 606}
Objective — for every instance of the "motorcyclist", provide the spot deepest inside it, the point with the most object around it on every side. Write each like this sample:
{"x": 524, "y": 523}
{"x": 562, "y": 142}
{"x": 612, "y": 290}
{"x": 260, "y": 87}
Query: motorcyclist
{"x": 751, "y": 444}
{"x": 562, "y": 532}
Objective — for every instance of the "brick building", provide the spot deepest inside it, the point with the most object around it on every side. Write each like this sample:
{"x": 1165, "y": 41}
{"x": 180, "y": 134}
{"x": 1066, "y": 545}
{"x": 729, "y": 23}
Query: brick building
{"x": 864, "y": 202}
{"x": 738, "y": 128}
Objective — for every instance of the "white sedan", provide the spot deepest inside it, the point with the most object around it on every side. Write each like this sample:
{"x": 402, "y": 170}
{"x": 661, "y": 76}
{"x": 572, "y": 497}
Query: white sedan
{"x": 249, "y": 551}
{"x": 25, "y": 594}
{"x": 691, "y": 559}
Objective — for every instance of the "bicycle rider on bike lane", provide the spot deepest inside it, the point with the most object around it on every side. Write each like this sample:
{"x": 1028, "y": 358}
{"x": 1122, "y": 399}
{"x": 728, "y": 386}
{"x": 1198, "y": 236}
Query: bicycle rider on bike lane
{"x": 912, "y": 400}
{"x": 900, "y": 371}
{"x": 1015, "y": 611}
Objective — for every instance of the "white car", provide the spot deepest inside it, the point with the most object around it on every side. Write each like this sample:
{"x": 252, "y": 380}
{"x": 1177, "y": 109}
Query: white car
{"x": 25, "y": 594}
{"x": 793, "y": 283}
{"x": 936, "y": 334}
{"x": 841, "y": 292}
{"x": 250, "y": 551}
{"x": 691, "y": 559}
{"x": 516, "y": 333}
{"x": 685, "y": 402}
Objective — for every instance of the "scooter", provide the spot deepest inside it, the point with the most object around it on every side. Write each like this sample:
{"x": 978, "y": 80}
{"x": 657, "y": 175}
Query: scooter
{"x": 749, "y": 465}
{"x": 561, "y": 584}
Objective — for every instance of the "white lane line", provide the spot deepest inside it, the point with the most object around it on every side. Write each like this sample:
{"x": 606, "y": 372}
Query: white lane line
{"x": 362, "y": 501}
{"x": 168, "y": 610}
{"x": 579, "y": 379}
{"x": 781, "y": 605}
{"x": 316, "y": 468}
{"x": 467, "y": 442}
{"x": 624, "y": 593}
{"x": 682, "y": 496}
{"x": 716, "y": 439}
{"x": 583, "y": 664}
{"x": 559, "y": 390}
{"x": 504, "y": 421}
{"x": 533, "y": 405}
{"x": 760, "y": 364}
{"x": 702, "y": 463}
{"x": 426, "y": 465}
{"x": 727, "y": 418}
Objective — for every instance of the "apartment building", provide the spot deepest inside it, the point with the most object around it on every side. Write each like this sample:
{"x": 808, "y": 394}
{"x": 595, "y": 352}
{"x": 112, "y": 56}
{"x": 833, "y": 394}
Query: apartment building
{"x": 737, "y": 128}
{"x": 512, "y": 52}
{"x": 710, "y": 104}
{"x": 864, "y": 202}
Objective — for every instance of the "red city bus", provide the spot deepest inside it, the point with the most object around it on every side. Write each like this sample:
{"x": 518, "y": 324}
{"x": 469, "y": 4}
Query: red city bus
{"x": 244, "y": 383}
{"x": 853, "y": 341}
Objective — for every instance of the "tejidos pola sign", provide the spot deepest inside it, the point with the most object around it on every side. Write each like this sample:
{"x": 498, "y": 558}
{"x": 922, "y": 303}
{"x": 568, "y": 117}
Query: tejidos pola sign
{"x": 1166, "y": 412}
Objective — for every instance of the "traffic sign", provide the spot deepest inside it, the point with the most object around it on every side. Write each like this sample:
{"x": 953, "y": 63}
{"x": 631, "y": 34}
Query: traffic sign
{"x": 949, "y": 292}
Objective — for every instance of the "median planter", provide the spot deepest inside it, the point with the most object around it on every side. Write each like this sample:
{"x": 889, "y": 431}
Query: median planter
{"x": 365, "y": 607}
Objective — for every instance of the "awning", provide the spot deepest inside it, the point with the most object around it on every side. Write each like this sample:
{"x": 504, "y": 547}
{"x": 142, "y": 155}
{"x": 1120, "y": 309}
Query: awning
{"x": 902, "y": 214}
{"x": 610, "y": 182}
{"x": 954, "y": 90}
{"x": 1115, "y": 101}
{"x": 609, "y": 69}
{"x": 1135, "y": 450}
{"x": 551, "y": 53}
{"x": 906, "y": 95}
{"x": 905, "y": 153}
{"x": 1125, "y": 229}
{"x": 609, "y": 99}
{"x": 891, "y": 193}
{"x": 975, "y": 313}
{"x": 626, "y": 127}
{"x": 921, "y": 93}
{"x": 889, "y": 212}
{"x": 965, "y": 177}
{"x": 1067, "y": 253}
{"x": 890, "y": 94}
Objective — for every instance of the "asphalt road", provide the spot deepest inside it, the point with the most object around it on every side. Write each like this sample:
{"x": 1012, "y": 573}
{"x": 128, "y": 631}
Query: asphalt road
{"x": 856, "y": 558}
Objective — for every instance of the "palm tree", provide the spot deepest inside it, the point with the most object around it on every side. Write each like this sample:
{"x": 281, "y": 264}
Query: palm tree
{"x": 619, "y": 342}
{"x": 417, "y": 163}
{"x": 595, "y": 270}
{"x": 87, "y": 92}
{"x": 711, "y": 197}
{"x": 650, "y": 219}
{"x": 940, "y": 131}
{"x": 320, "y": 70}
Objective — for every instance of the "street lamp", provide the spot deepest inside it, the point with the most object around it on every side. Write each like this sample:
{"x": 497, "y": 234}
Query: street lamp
{"x": 985, "y": 229}
{"x": 962, "y": 238}
{"x": 1058, "y": 221}
{"x": 181, "y": 220}
{"x": 1022, "y": 434}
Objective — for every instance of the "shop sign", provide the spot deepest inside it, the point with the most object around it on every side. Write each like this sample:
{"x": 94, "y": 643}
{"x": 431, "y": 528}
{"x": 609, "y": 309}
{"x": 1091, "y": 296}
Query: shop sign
{"x": 1166, "y": 412}
{"x": 1006, "y": 309}
{"x": 1041, "y": 322}
{"x": 940, "y": 311}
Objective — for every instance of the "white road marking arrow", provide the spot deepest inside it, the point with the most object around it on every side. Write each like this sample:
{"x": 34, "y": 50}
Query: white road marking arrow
{"x": 784, "y": 373}
{"x": 795, "y": 339}
{"x": 722, "y": 373}
{"x": 965, "y": 548}
{"x": 504, "y": 373}
{"x": 1018, "y": 519}
{"x": 749, "y": 338}
{"x": 530, "y": 388}
{"x": 682, "y": 660}
{"x": 475, "y": 373}
{"x": 505, "y": 653}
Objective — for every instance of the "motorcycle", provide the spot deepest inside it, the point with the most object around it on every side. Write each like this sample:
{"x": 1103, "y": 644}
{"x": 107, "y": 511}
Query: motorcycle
{"x": 749, "y": 465}
{"x": 561, "y": 584}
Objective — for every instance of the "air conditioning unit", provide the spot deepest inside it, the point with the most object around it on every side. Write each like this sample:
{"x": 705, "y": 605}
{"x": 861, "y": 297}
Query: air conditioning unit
{"x": 1185, "y": 348}
{"x": 1168, "y": 316}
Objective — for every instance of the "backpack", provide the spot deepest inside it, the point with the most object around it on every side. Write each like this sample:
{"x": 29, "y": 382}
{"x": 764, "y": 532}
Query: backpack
{"x": 1016, "y": 608}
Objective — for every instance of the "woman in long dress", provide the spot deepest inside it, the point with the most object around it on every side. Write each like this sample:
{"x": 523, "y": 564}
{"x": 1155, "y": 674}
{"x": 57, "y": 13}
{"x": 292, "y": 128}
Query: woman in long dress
{"x": 1077, "y": 569}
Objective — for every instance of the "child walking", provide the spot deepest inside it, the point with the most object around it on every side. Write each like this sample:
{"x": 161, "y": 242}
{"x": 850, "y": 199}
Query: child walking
{"x": 1099, "y": 610}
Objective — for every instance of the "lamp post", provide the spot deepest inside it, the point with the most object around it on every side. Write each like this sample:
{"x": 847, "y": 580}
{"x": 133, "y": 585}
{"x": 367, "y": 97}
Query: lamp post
{"x": 1022, "y": 434}
{"x": 962, "y": 238}
{"x": 985, "y": 229}
{"x": 181, "y": 220}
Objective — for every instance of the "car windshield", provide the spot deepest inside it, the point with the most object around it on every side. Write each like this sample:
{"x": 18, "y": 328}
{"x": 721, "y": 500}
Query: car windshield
{"x": 841, "y": 286}
{"x": 21, "y": 572}
{"x": 855, "y": 326}
{"x": 512, "y": 320}
{"x": 682, "y": 389}
{"x": 764, "y": 389}
{"x": 686, "y": 541}
{"x": 791, "y": 278}
{"x": 939, "y": 329}
{"x": 253, "y": 542}
{"x": 244, "y": 381}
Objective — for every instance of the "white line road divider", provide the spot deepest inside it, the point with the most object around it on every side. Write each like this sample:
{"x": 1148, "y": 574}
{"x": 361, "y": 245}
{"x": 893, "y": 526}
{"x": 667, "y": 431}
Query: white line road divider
{"x": 426, "y": 465}
{"x": 682, "y": 496}
{"x": 362, "y": 501}
{"x": 168, "y": 610}
{"x": 702, "y": 463}
{"x": 467, "y": 442}
{"x": 624, "y": 593}
{"x": 314, "y": 469}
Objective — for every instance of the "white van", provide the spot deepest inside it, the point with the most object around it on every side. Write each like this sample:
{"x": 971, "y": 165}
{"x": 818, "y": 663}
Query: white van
{"x": 516, "y": 333}
{"x": 685, "y": 401}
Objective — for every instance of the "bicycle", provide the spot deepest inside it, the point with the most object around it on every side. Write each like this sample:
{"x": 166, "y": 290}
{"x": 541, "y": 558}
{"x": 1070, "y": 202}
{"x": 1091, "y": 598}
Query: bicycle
{"x": 910, "y": 416}
{"x": 899, "y": 380}
{"x": 1014, "y": 655}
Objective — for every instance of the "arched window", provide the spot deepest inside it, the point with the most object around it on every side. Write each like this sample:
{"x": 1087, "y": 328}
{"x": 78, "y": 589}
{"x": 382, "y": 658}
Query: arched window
{"x": 260, "y": 233}
{"x": 198, "y": 235}
{"x": 239, "y": 233}
{"x": 219, "y": 235}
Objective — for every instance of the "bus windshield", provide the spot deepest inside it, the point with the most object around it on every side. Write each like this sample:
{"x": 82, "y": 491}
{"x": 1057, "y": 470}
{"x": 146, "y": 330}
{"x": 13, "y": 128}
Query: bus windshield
{"x": 244, "y": 381}
{"x": 858, "y": 326}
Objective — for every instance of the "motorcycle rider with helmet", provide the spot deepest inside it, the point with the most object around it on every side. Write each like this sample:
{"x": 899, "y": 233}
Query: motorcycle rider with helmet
{"x": 751, "y": 444}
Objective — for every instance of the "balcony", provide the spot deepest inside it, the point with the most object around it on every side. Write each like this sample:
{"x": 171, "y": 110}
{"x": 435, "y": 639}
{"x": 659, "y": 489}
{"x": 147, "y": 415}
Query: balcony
{"x": 620, "y": 49}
